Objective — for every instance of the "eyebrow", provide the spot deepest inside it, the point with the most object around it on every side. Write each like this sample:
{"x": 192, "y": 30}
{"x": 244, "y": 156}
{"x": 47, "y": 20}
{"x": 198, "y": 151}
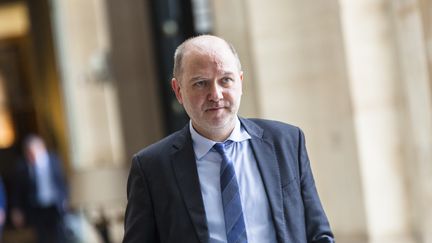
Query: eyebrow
{"x": 200, "y": 77}
{"x": 228, "y": 73}
{"x": 197, "y": 78}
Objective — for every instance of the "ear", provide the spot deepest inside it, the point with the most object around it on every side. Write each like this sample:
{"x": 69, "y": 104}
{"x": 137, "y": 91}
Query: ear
{"x": 175, "y": 85}
{"x": 241, "y": 82}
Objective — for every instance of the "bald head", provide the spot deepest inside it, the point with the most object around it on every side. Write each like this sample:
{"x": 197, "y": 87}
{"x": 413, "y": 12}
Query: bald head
{"x": 202, "y": 43}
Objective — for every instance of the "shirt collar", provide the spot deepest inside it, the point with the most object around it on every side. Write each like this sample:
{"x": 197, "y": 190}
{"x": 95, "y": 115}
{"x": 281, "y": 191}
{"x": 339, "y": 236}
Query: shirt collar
{"x": 203, "y": 145}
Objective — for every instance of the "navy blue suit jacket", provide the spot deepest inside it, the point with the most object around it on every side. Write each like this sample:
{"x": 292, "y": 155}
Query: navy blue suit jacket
{"x": 164, "y": 198}
{"x": 25, "y": 194}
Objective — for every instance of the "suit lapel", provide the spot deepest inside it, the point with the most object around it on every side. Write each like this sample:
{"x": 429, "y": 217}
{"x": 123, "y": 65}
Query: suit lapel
{"x": 185, "y": 170}
{"x": 269, "y": 169}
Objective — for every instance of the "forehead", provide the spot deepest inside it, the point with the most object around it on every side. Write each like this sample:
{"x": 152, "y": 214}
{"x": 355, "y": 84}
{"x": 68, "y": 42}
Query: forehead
{"x": 209, "y": 56}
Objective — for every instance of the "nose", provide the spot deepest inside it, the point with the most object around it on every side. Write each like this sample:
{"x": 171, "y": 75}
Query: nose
{"x": 215, "y": 92}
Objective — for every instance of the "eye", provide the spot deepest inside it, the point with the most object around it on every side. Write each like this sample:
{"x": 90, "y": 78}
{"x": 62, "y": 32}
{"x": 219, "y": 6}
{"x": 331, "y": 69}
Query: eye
{"x": 227, "y": 80}
{"x": 199, "y": 84}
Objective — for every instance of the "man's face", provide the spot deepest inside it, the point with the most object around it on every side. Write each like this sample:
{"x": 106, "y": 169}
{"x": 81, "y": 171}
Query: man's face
{"x": 34, "y": 148}
{"x": 210, "y": 87}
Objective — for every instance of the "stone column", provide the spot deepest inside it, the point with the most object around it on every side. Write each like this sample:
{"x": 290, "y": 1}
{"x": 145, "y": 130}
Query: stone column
{"x": 378, "y": 106}
{"x": 83, "y": 48}
{"x": 99, "y": 166}
{"x": 413, "y": 36}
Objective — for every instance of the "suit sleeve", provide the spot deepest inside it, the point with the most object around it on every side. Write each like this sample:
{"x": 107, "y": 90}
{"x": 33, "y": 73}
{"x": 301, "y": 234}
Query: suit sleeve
{"x": 140, "y": 223}
{"x": 317, "y": 226}
{"x": 60, "y": 180}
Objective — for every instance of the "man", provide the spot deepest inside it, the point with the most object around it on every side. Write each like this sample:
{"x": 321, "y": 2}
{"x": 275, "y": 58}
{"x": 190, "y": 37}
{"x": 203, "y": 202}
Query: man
{"x": 40, "y": 195}
{"x": 222, "y": 178}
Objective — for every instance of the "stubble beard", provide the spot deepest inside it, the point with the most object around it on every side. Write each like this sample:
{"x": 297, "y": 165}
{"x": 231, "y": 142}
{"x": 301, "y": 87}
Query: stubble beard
{"x": 216, "y": 127}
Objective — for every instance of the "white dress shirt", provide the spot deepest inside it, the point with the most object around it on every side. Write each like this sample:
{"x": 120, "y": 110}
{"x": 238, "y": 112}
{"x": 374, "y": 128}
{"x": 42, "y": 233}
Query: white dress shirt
{"x": 46, "y": 193}
{"x": 256, "y": 209}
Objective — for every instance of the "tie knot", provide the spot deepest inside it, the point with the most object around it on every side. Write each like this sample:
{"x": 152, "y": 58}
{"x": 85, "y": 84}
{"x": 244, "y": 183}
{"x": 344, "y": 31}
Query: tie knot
{"x": 220, "y": 148}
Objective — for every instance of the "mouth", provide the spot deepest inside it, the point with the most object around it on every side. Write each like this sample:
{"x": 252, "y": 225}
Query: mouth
{"x": 215, "y": 108}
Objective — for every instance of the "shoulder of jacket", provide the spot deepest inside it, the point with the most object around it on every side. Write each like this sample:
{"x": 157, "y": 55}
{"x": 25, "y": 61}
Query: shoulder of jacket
{"x": 160, "y": 148}
{"x": 273, "y": 125}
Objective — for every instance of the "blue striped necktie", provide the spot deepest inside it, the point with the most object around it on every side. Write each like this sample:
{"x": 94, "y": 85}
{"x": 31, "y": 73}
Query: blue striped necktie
{"x": 231, "y": 202}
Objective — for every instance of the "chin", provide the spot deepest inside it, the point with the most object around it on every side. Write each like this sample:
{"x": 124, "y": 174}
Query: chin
{"x": 220, "y": 123}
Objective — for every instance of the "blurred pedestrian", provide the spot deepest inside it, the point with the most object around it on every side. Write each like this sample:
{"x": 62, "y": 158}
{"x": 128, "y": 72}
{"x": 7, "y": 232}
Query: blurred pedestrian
{"x": 40, "y": 195}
